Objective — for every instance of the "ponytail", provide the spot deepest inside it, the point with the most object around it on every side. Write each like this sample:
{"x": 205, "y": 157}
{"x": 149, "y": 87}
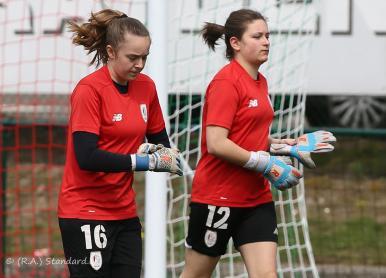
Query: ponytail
{"x": 211, "y": 32}
{"x": 106, "y": 27}
{"x": 235, "y": 26}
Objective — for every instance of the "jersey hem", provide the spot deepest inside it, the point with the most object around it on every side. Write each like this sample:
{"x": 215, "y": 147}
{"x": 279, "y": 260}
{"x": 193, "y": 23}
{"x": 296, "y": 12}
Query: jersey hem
{"x": 231, "y": 204}
{"x": 98, "y": 217}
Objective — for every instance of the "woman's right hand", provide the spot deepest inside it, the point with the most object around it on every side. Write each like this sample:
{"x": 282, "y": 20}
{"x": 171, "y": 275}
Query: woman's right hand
{"x": 278, "y": 170}
{"x": 166, "y": 160}
{"x": 160, "y": 160}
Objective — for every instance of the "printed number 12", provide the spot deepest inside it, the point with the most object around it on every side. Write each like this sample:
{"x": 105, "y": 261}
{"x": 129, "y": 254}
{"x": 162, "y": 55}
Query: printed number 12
{"x": 220, "y": 224}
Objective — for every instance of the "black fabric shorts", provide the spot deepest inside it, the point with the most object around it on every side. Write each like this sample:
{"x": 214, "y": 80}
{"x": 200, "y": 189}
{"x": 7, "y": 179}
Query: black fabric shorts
{"x": 99, "y": 248}
{"x": 211, "y": 227}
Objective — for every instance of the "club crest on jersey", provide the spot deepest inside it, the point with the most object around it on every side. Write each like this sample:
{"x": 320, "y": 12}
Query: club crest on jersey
{"x": 96, "y": 259}
{"x": 143, "y": 112}
{"x": 210, "y": 238}
{"x": 253, "y": 103}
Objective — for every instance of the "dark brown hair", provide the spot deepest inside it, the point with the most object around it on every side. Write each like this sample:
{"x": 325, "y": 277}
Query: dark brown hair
{"x": 235, "y": 26}
{"x": 106, "y": 27}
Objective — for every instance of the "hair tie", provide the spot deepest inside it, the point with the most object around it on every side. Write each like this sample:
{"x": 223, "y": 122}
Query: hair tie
{"x": 123, "y": 15}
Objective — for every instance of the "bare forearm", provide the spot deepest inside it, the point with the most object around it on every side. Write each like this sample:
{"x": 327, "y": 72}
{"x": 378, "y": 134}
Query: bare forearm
{"x": 226, "y": 149}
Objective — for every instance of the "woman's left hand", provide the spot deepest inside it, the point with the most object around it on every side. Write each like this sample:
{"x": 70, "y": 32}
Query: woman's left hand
{"x": 287, "y": 141}
{"x": 148, "y": 148}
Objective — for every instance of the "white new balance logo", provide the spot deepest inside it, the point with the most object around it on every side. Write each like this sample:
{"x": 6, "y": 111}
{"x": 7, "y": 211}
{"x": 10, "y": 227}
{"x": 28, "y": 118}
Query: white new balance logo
{"x": 253, "y": 103}
{"x": 117, "y": 117}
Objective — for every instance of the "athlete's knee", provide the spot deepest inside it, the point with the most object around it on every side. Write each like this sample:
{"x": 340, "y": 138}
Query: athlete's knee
{"x": 264, "y": 274}
{"x": 270, "y": 274}
{"x": 196, "y": 270}
{"x": 191, "y": 274}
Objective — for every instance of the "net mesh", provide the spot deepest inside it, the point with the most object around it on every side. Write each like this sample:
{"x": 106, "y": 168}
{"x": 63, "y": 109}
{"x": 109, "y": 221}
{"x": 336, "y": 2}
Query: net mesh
{"x": 191, "y": 67}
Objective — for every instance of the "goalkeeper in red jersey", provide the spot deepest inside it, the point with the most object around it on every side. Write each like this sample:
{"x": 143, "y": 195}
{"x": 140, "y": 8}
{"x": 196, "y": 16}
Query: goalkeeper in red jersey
{"x": 112, "y": 111}
{"x": 231, "y": 194}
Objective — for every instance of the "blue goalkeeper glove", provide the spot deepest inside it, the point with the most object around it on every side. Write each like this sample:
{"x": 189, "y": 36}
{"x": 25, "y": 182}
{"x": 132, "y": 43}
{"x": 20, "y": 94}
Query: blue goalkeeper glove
{"x": 162, "y": 160}
{"x": 276, "y": 169}
{"x": 315, "y": 142}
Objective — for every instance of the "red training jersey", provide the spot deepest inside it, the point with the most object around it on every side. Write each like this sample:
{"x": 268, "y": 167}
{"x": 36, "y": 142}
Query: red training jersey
{"x": 240, "y": 104}
{"x": 121, "y": 121}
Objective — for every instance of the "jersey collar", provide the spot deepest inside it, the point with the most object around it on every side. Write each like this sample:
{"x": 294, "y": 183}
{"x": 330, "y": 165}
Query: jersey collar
{"x": 242, "y": 71}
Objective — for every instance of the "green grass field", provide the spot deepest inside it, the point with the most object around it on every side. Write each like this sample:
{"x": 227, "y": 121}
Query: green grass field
{"x": 346, "y": 203}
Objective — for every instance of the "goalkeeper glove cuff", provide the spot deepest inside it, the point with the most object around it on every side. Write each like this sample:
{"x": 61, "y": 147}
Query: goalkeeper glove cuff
{"x": 257, "y": 161}
{"x": 140, "y": 162}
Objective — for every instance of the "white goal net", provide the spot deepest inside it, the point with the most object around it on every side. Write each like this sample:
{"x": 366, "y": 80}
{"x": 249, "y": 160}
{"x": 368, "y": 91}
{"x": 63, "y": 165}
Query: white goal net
{"x": 293, "y": 24}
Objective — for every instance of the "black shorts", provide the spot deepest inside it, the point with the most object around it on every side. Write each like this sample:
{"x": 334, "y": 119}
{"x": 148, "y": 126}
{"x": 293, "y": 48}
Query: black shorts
{"x": 99, "y": 248}
{"x": 210, "y": 227}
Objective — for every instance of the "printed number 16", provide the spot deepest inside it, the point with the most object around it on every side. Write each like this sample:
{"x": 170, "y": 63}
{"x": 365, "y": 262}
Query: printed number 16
{"x": 99, "y": 236}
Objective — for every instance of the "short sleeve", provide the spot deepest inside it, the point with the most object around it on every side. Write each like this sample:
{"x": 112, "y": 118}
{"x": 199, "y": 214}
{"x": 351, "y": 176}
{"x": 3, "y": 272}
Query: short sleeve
{"x": 85, "y": 110}
{"x": 222, "y": 100}
{"x": 156, "y": 121}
